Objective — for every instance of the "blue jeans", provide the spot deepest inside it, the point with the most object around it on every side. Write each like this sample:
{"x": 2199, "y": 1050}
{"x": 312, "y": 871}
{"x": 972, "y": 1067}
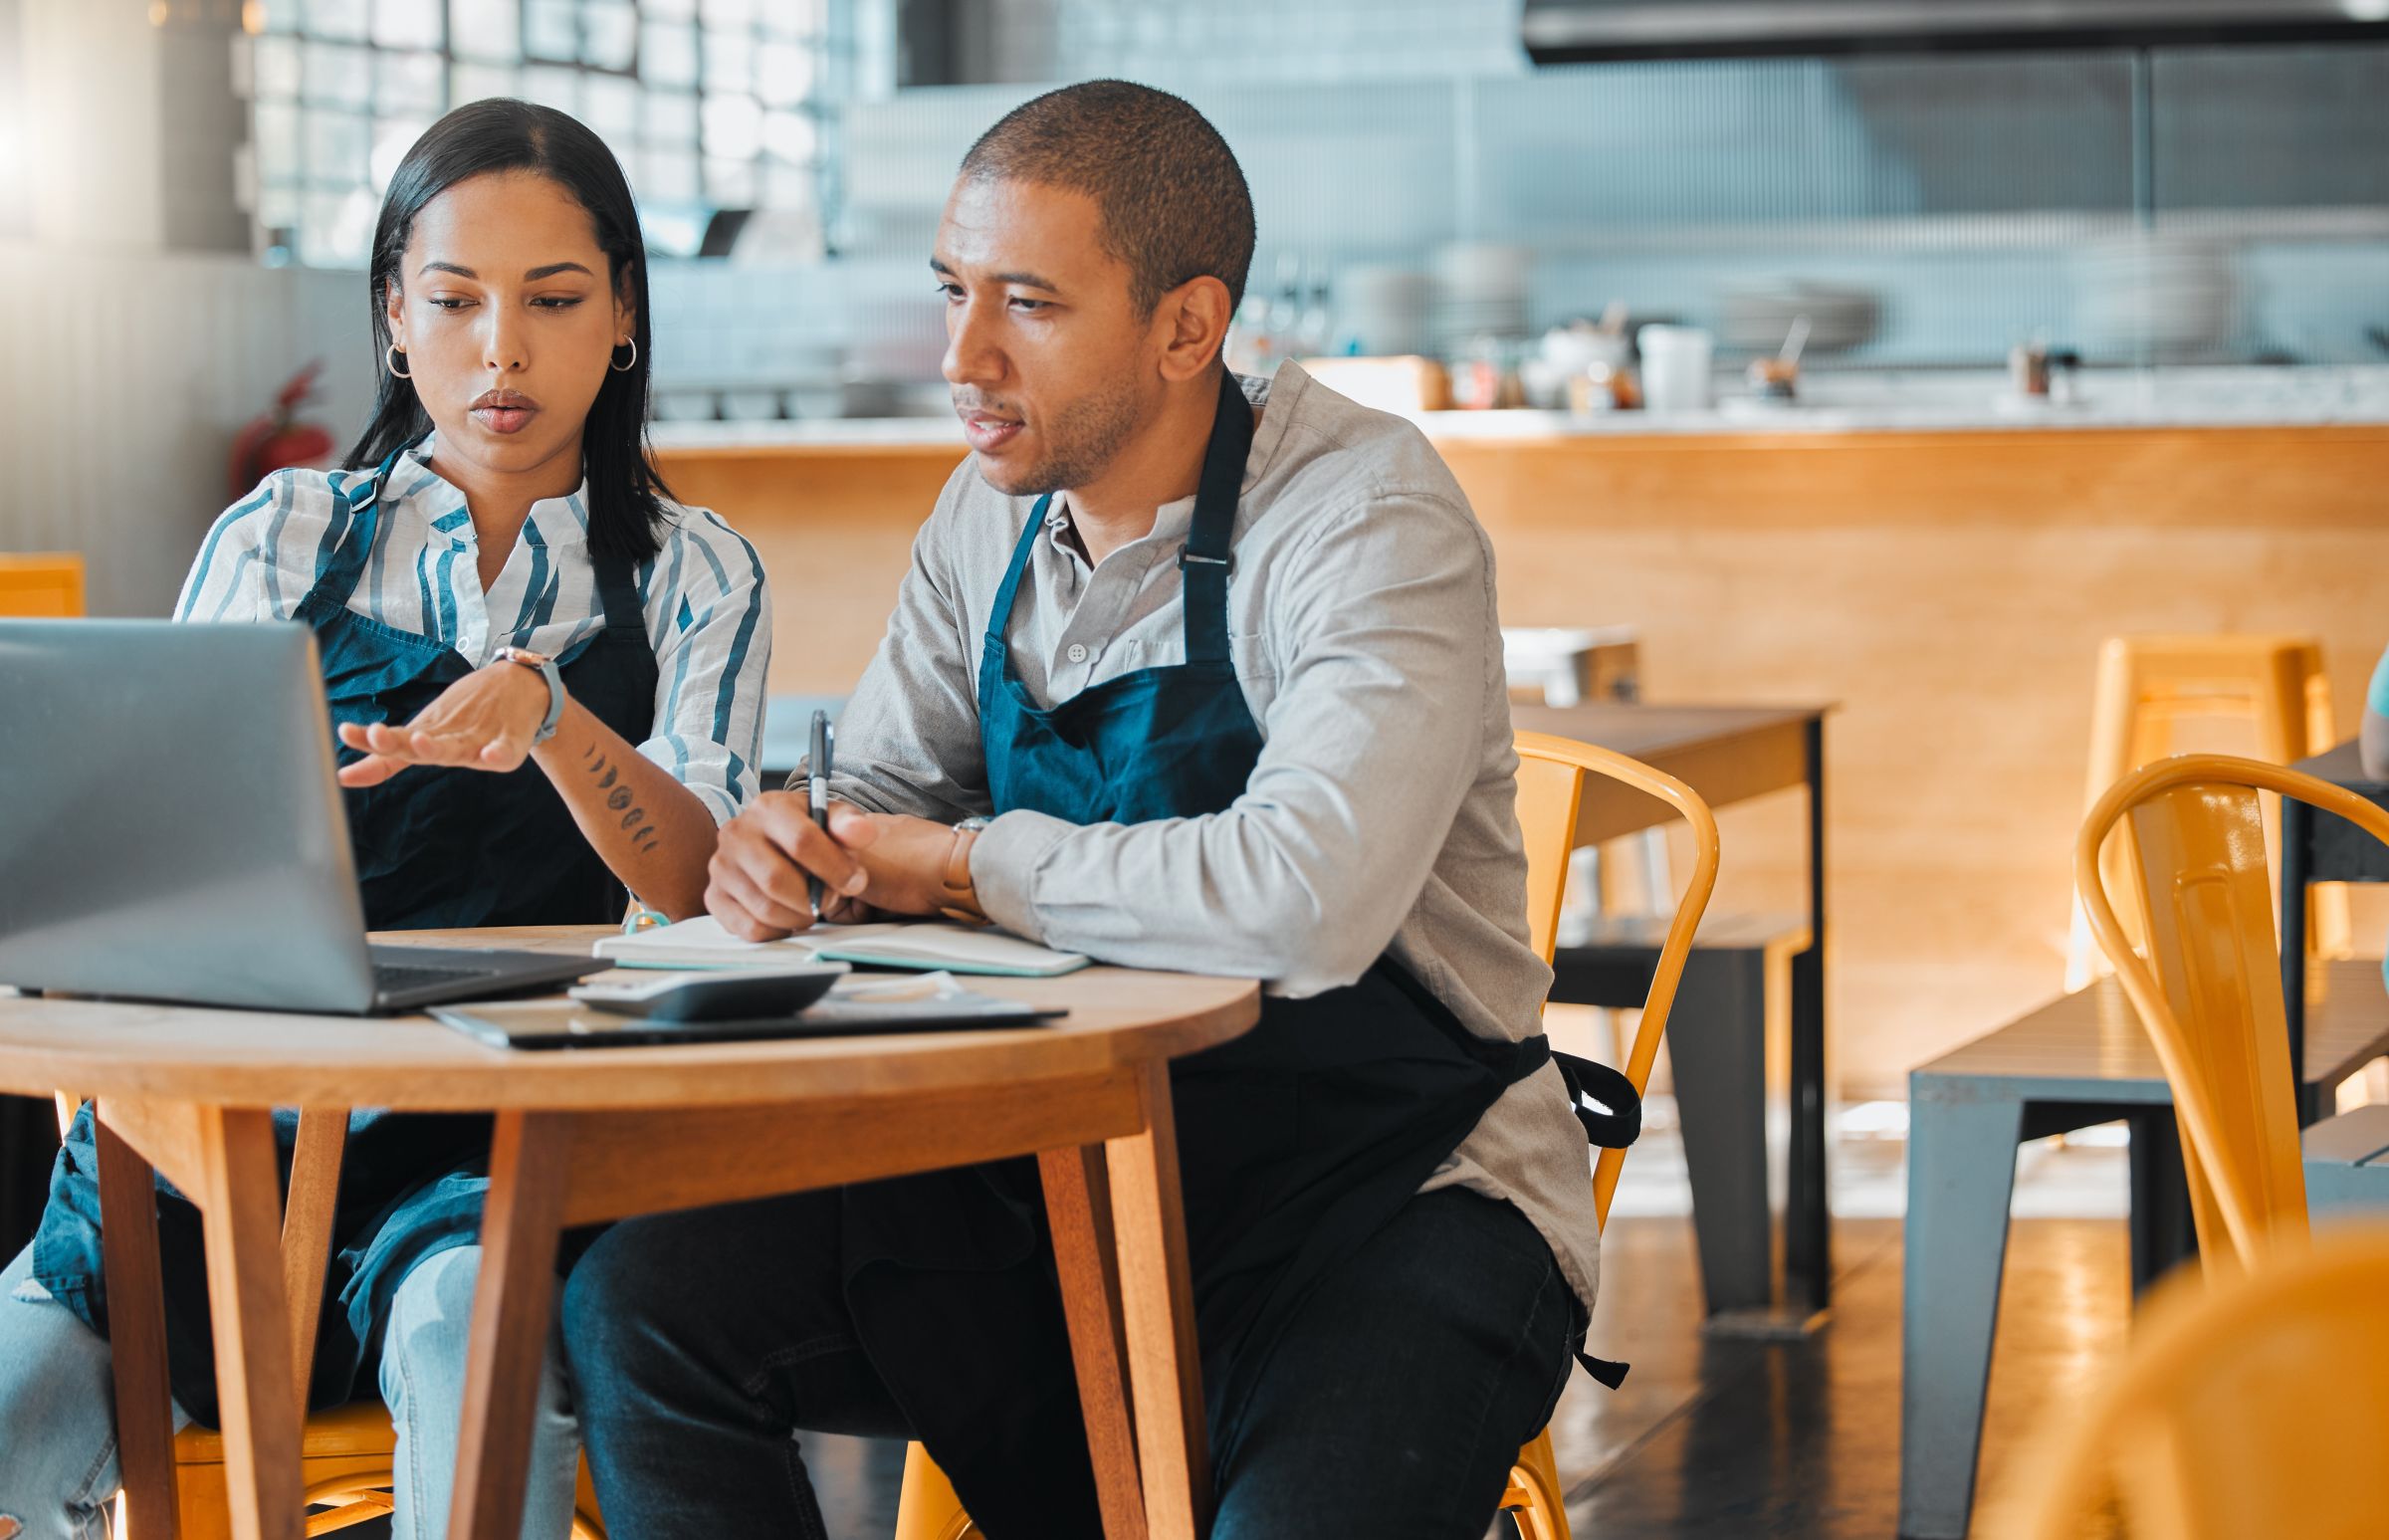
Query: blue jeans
{"x": 57, "y": 1426}
{"x": 1392, "y": 1406}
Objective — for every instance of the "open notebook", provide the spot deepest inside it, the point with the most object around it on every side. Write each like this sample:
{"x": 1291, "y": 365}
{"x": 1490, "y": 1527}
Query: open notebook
{"x": 955, "y": 949}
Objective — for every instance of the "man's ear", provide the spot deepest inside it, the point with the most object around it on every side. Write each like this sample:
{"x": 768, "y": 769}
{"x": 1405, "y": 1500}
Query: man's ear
{"x": 1194, "y": 319}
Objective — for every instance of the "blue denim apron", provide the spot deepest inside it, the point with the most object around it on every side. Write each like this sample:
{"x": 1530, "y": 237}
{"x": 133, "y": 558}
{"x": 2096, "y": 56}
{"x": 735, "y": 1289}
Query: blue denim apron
{"x": 1296, "y": 1142}
{"x": 433, "y": 848}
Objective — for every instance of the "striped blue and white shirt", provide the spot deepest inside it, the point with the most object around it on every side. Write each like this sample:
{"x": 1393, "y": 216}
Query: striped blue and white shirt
{"x": 709, "y": 617}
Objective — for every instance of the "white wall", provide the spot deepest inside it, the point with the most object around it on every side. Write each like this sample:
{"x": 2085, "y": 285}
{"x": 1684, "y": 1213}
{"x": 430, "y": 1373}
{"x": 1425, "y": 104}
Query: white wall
{"x": 126, "y": 368}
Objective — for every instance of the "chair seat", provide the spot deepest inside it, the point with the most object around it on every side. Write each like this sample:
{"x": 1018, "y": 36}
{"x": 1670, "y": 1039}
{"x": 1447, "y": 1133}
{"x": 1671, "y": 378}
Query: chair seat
{"x": 358, "y": 1430}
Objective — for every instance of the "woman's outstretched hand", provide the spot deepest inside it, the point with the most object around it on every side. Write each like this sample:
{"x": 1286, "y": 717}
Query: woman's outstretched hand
{"x": 485, "y": 721}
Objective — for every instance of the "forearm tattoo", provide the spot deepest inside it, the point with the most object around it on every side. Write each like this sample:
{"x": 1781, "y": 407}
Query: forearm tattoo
{"x": 618, "y": 799}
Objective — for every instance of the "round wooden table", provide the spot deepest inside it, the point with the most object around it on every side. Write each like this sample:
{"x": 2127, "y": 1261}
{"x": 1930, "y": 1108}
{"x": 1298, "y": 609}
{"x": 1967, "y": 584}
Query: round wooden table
{"x": 585, "y": 1136}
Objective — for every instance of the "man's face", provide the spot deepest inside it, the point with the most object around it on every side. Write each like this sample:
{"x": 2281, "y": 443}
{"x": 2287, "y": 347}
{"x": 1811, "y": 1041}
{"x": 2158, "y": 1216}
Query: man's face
{"x": 1052, "y": 368}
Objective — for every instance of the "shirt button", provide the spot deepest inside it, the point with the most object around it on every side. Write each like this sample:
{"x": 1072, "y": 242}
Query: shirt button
{"x": 1077, "y": 652}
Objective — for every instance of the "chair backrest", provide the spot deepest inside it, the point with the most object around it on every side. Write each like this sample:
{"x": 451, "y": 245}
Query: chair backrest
{"x": 2209, "y": 990}
{"x": 1551, "y": 787}
{"x": 2250, "y": 1406}
{"x": 46, "y": 586}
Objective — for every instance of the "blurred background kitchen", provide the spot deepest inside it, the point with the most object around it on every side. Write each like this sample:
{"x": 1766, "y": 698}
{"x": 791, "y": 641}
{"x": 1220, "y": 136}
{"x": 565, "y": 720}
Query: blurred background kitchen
{"x": 1885, "y": 353}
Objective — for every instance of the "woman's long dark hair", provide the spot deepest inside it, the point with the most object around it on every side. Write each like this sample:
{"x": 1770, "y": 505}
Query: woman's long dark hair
{"x": 626, "y": 507}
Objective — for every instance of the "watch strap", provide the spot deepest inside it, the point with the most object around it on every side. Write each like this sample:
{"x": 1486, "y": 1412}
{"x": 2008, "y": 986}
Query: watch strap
{"x": 546, "y": 668}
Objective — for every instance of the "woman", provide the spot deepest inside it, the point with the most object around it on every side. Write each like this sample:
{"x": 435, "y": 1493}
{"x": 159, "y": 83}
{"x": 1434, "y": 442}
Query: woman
{"x": 547, "y": 680}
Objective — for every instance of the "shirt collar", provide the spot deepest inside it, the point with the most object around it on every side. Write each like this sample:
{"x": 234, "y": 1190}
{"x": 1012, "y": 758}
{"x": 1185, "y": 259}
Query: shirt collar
{"x": 555, "y": 522}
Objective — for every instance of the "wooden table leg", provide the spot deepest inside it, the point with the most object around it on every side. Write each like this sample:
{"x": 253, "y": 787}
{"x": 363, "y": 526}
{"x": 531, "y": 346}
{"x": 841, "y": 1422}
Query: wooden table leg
{"x": 1158, "y": 1301}
{"x": 513, "y": 1303}
{"x": 1078, "y": 1208}
{"x": 307, "y": 1228}
{"x": 240, "y": 1197}
{"x": 136, "y": 1329}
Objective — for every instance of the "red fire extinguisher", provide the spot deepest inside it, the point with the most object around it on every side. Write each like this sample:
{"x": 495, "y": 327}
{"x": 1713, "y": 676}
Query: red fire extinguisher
{"x": 279, "y": 440}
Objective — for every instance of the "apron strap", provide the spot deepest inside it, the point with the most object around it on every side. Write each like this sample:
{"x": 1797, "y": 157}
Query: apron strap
{"x": 618, "y": 597}
{"x": 999, "y": 618}
{"x": 1206, "y": 561}
{"x": 353, "y": 526}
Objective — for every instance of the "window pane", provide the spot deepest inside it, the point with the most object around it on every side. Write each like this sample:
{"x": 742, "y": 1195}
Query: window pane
{"x": 794, "y": 20}
{"x": 730, "y": 183}
{"x": 670, "y": 10}
{"x": 556, "y": 87}
{"x": 668, "y": 54}
{"x": 482, "y": 29}
{"x": 610, "y": 106}
{"x": 336, "y": 147}
{"x": 338, "y": 75}
{"x": 728, "y": 61}
{"x": 342, "y": 19}
{"x": 671, "y": 119}
{"x": 283, "y": 15}
{"x": 334, "y": 229}
{"x": 784, "y": 73}
{"x": 473, "y": 82}
{"x": 667, "y": 176}
{"x": 609, "y": 38}
{"x": 276, "y": 126}
{"x": 727, "y": 13}
{"x": 393, "y": 138}
{"x": 550, "y": 29}
{"x": 788, "y": 187}
{"x": 278, "y": 69}
{"x": 409, "y": 85}
{"x": 791, "y": 137}
{"x": 278, "y": 208}
{"x": 406, "y": 23}
{"x": 734, "y": 128}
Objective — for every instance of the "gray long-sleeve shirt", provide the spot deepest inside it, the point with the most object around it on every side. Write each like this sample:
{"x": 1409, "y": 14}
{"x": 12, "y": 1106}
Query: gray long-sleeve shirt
{"x": 1382, "y": 814}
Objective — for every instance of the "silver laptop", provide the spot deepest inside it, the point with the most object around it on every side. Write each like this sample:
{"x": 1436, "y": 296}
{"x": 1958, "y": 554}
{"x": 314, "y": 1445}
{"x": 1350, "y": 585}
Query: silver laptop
{"x": 170, "y": 829}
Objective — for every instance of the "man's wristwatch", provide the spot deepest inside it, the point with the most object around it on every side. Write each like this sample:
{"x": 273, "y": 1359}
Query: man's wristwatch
{"x": 546, "y": 667}
{"x": 961, "y": 898}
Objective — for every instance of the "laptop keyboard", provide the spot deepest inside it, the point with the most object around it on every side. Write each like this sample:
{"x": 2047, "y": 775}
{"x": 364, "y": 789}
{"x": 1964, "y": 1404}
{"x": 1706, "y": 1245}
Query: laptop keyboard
{"x": 391, "y": 978}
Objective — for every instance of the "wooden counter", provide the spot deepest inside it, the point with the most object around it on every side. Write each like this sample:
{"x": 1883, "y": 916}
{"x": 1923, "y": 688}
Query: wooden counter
{"x": 1948, "y": 590}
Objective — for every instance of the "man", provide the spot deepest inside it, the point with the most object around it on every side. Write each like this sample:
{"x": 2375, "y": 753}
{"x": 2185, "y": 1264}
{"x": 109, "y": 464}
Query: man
{"x": 1187, "y": 673}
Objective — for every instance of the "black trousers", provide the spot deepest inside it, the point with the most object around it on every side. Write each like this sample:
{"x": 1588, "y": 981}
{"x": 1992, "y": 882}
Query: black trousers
{"x": 1391, "y": 1404}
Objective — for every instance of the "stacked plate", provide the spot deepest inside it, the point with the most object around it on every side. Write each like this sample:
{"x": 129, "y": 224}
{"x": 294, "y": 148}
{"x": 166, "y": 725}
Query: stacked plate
{"x": 1480, "y": 289}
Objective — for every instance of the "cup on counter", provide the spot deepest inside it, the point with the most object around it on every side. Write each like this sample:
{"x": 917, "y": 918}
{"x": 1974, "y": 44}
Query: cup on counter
{"x": 1675, "y": 369}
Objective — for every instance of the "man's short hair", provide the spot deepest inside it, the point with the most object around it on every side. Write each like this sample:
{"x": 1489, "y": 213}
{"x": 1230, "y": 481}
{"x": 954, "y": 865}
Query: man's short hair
{"x": 1173, "y": 199}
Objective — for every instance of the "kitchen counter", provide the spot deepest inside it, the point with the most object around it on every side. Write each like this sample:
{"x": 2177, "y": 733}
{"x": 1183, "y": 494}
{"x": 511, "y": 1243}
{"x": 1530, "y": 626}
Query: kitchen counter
{"x": 1943, "y": 569}
{"x": 1906, "y": 401}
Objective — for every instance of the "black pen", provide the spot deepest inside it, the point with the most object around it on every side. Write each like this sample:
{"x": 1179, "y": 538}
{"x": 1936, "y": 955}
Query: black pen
{"x": 816, "y": 788}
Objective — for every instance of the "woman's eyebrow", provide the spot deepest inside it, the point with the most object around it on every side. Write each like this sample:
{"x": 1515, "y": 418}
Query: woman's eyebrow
{"x": 532, "y": 276}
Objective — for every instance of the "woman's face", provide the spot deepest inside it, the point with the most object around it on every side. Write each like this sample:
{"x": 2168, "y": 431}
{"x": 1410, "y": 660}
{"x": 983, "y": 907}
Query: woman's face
{"x": 507, "y": 316}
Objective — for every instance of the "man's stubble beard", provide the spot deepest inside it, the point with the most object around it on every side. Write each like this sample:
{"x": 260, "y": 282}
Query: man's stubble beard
{"x": 1083, "y": 438}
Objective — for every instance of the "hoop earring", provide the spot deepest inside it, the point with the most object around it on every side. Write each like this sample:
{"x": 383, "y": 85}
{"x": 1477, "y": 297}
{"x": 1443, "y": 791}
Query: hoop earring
{"x": 389, "y": 360}
{"x": 624, "y": 368}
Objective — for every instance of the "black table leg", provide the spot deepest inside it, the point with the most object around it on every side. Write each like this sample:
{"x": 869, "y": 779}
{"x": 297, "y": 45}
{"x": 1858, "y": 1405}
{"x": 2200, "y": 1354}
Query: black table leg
{"x": 1807, "y": 1258}
{"x": 2297, "y": 872}
{"x": 2164, "y": 1233}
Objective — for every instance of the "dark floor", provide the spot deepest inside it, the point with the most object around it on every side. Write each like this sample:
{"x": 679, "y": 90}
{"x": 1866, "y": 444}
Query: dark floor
{"x": 1730, "y": 1441}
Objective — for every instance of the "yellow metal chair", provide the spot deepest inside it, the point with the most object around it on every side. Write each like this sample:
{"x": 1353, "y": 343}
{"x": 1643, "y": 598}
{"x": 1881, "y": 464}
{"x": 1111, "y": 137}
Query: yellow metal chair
{"x": 344, "y": 1454}
{"x": 2248, "y": 1405}
{"x": 1551, "y": 780}
{"x": 46, "y": 586}
{"x": 2149, "y": 685}
{"x": 2209, "y": 990}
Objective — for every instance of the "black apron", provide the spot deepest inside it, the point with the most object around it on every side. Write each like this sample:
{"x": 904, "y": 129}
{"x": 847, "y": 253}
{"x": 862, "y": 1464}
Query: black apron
{"x": 434, "y": 848}
{"x": 1296, "y": 1142}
